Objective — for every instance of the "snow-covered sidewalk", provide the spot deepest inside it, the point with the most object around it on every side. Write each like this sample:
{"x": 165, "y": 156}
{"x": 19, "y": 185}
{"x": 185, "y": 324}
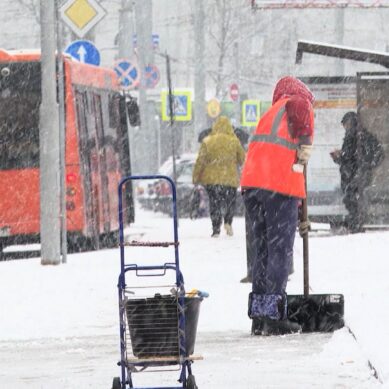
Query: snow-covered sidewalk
{"x": 59, "y": 325}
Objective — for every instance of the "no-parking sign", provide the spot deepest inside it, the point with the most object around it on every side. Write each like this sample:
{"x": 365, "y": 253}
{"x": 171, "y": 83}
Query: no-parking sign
{"x": 128, "y": 73}
{"x": 151, "y": 76}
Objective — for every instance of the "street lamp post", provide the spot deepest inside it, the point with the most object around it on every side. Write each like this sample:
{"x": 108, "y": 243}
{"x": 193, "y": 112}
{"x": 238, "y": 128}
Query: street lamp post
{"x": 49, "y": 140}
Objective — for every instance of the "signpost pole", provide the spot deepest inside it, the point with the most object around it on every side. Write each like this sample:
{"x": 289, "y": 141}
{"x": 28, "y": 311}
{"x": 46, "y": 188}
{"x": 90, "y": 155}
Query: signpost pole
{"x": 237, "y": 70}
{"x": 171, "y": 113}
{"x": 49, "y": 140}
{"x": 126, "y": 29}
{"x": 143, "y": 12}
{"x": 62, "y": 137}
{"x": 199, "y": 103}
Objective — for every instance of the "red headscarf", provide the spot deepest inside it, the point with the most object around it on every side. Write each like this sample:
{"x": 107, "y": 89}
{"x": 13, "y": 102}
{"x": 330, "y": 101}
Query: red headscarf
{"x": 298, "y": 107}
{"x": 290, "y": 86}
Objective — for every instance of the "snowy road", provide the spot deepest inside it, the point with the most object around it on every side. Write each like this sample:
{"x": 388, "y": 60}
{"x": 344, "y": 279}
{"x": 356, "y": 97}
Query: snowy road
{"x": 234, "y": 360}
{"x": 59, "y": 325}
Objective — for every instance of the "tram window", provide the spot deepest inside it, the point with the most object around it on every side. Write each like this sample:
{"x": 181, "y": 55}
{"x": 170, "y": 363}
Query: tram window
{"x": 113, "y": 111}
{"x": 99, "y": 119}
{"x": 81, "y": 118}
{"x": 19, "y": 129}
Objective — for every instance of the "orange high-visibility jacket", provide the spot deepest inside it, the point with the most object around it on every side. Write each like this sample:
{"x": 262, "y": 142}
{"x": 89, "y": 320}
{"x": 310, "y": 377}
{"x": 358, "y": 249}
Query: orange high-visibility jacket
{"x": 271, "y": 155}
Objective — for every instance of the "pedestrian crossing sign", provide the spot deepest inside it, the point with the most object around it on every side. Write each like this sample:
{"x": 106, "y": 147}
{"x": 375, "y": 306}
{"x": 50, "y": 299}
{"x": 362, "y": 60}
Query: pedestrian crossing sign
{"x": 182, "y": 105}
{"x": 251, "y": 112}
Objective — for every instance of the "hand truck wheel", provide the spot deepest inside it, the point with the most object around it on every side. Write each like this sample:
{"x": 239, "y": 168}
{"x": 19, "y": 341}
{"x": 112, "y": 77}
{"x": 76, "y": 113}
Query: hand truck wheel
{"x": 191, "y": 382}
{"x": 116, "y": 383}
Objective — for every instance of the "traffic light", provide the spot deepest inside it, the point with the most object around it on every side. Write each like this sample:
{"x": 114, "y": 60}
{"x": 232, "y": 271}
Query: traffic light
{"x": 133, "y": 112}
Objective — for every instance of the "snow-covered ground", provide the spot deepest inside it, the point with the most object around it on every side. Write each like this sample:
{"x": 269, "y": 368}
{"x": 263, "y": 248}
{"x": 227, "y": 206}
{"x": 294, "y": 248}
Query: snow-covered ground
{"x": 59, "y": 325}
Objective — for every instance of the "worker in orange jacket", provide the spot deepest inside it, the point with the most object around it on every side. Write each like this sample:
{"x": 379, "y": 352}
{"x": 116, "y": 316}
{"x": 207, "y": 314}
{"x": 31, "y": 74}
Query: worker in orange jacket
{"x": 273, "y": 184}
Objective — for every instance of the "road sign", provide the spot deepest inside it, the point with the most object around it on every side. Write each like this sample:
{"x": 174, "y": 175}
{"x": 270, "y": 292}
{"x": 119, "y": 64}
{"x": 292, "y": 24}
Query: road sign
{"x": 213, "y": 108}
{"x": 154, "y": 37}
{"x": 84, "y": 51}
{"x": 82, "y": 15}
{"x": 128, "y": 73}
{"x": 182, "y": 106}
{"x": 234, "y": 92}
{"x": 251, "y": 112}
{"x": 273, "y": 4}
{"x": 151, "y": 76}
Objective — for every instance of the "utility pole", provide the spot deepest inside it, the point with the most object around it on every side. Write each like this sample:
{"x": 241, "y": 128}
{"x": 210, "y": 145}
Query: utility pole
{"x": 200, "y": 119}
{"x": 236, "y": 54}
{"x": 236, "y": 103}
{"x": 62, "y": 137}
{"x": 49, "y": 140}
{"x": 126, "y": 51}
{"x": 143, "y": 13}
{"x": 171, "y": 113}
{"x": 126, "y": 30}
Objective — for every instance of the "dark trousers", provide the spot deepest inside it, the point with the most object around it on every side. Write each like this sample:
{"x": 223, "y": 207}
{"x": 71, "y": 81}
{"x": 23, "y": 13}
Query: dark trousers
{"x": 250, "y": 249}
{"x": 222, "y": 201}
{"x": 354, "y": 199}
{"x": 272, "y": 219}
{"x": 354, "y": 203}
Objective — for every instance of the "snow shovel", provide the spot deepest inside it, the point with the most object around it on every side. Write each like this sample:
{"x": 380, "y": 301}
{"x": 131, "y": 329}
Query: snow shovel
{"x": 314, "y": 312}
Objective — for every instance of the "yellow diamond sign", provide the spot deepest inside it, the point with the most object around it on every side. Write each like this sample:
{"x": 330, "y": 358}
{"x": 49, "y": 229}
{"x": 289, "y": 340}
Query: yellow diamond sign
{"x": 81, "y": 15}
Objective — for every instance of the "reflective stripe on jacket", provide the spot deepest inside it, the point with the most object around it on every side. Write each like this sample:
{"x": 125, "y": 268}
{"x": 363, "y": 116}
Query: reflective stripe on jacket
{"x": 271, "y": 154}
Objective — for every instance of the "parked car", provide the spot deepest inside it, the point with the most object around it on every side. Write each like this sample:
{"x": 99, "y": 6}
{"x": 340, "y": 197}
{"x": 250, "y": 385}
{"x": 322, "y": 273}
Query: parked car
{"x": 144, "y": 193}
{"x": 148, "y": 191}
{"x": 185, "y": 192}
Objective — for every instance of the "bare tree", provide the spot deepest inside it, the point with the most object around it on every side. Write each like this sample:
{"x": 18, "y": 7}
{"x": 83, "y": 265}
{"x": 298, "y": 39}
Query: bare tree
{"x": 32, "y": 6}
{"x": 223, "y": 30}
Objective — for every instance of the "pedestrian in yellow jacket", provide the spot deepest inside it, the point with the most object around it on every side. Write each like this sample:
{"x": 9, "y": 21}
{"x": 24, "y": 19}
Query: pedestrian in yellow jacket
{"x": 217, "y": 169}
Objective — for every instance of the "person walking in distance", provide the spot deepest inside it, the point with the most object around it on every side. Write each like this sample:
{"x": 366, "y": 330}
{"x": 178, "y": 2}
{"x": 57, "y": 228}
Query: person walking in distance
{"x": 217, "y": 169}
{"x": 272, "y": 186}
{"x": 361, "y": 152}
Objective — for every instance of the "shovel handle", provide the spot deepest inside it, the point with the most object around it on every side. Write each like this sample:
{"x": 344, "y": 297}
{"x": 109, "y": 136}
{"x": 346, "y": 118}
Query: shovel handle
{"x": 304, "y": 218}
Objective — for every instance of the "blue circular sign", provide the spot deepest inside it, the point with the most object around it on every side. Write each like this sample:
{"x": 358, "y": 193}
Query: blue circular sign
{"x": 127, "y": 73}
{"x": 84, "y": 51}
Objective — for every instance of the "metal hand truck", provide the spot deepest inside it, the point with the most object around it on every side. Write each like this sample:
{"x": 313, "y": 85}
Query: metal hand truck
{"x": 158, "y": 331}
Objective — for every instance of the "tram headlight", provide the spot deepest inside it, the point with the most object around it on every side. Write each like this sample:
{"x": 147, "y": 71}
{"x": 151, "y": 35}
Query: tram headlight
{"x": 5, "y": 72}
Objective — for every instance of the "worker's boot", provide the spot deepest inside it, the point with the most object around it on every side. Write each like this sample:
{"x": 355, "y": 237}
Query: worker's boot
{"x": 257, "y": 326}
{"x": 269, "y": 315}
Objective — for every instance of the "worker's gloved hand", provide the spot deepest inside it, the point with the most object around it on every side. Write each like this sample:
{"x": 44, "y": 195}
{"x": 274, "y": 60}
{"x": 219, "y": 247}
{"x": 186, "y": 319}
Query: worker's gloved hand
{"x": 303, "y": 154}
{"x": 298, "y": 168}
{"x": 304, "y": 227}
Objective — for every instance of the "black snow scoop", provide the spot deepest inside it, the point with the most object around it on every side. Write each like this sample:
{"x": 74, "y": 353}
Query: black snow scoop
{"x": 314, "y": 312}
